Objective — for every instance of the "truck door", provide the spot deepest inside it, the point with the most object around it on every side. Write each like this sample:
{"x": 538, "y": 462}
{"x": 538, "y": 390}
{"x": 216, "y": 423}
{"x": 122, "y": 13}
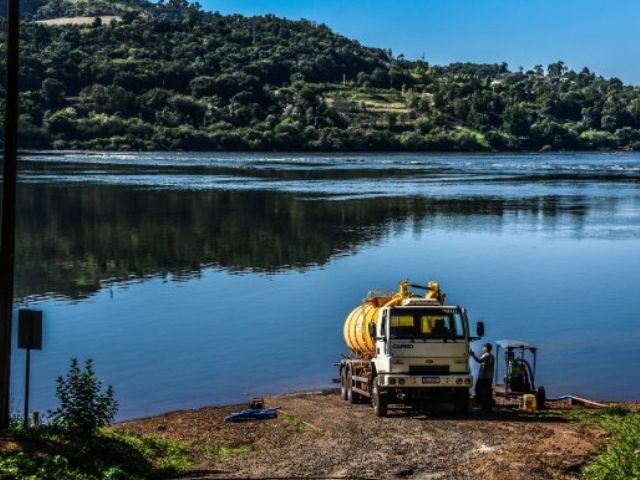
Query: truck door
{"x": 384, "y": 332}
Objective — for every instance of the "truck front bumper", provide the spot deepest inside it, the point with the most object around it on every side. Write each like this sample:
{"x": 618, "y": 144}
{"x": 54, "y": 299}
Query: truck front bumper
{"x": 397, "y": 380}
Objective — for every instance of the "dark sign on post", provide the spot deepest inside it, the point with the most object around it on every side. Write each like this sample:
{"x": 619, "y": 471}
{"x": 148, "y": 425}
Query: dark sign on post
{"x": 29, "y": 338}
{"x": 30, "y": 329}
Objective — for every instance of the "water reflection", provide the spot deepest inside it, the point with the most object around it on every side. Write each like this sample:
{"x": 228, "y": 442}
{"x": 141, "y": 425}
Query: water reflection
{"x": 71, "y": 238}
{"x": 179, "y": 265}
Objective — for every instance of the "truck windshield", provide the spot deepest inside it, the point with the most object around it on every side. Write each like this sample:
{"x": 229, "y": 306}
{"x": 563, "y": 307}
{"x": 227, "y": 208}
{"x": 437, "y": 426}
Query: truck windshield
{"x": 426, "y": 324}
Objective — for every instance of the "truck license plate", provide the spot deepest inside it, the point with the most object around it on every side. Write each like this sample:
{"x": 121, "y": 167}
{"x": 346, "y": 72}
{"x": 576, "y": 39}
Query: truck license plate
{"x": 430, "y": 379}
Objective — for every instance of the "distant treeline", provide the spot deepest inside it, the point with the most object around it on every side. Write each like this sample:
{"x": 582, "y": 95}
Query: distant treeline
{"x": 171, "y": 76}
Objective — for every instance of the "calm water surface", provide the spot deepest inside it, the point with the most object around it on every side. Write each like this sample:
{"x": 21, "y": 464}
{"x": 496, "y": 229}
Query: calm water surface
{"x": 196, "y": 279}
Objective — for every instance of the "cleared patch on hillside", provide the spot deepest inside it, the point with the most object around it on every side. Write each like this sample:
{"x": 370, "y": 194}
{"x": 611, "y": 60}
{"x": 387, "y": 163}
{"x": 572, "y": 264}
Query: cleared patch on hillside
{"x": 106, "y": 19}
{"x": 374, "y": 101}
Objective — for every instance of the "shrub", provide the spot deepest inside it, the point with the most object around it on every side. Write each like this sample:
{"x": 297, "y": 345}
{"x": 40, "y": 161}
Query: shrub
{"x": 619, "y": 459}
{"x": 84, "y": 406}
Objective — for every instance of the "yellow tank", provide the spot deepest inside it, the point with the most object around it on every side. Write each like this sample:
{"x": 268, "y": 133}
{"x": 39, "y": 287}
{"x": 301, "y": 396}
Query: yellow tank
{"x": 356, "y": 331}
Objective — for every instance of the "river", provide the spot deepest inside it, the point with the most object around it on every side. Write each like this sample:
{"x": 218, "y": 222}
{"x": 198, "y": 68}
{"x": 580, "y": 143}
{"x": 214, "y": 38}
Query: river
{"x": 199, "y": 279}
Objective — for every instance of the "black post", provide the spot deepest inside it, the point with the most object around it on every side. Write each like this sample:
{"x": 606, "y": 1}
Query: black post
{"x": 495, "y": 367}
{"x": 7, "y": 234}
{"x": 27, "y": 376}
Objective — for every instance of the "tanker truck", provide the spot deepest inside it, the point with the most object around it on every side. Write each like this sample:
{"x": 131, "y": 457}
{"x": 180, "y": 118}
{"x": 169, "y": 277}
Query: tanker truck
{"x": 407, "y": 349}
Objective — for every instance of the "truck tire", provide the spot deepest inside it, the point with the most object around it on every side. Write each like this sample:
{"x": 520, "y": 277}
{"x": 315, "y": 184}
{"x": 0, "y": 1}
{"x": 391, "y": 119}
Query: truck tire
{"x": 379, "y": 402}
{"x": 352, "y": 397}
{"x": 462, "y": 403}
{"x": 343, "y": 384}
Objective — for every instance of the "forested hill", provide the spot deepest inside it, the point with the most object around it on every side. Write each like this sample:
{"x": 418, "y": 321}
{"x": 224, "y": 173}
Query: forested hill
{"x": 170, "y": 76}
{"x": 43, "y": 9}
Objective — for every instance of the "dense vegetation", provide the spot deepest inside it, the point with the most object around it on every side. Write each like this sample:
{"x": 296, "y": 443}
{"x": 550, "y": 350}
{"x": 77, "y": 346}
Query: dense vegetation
{"x": 46, "y": 453}
{"x": 620, "y": 458}
{"x": 43, "y": 9}
{"x": 170, "y": 76}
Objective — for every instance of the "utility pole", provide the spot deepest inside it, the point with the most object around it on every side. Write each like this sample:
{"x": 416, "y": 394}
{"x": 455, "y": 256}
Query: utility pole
{"x": 7, "y": 234}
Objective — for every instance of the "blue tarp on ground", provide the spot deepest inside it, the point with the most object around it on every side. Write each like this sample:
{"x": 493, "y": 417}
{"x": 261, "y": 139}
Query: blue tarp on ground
{"x": 252, "y": 414}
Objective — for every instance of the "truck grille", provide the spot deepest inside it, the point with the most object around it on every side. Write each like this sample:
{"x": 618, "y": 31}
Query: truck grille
{"x": 429, "y": 369}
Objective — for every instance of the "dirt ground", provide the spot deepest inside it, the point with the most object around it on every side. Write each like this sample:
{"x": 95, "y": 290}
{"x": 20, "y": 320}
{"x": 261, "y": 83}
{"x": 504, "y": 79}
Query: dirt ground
{"x": 319, "y": 435}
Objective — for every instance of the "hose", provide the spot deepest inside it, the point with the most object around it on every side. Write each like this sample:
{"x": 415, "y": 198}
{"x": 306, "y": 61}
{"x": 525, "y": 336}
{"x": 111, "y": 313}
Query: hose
{"x": 579, "y": 400}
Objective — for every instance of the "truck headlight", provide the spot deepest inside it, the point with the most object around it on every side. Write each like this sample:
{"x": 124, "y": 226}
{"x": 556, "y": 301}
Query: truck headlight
{"x": 392, "y": 381}
{"x": 467, "y": 381}
{"x": 401, "y": 381}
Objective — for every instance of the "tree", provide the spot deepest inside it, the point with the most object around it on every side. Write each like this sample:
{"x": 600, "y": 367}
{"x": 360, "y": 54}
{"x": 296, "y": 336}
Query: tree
{"x": 518, "y": 120}
{"x": 84, "y": 406}
{"x": 634, "y": 110}
{"x": 53, "y": 92}
{"x": 556, "y": 69}
{"x": 62, "y": 122}
{"x": 203, "y": 86}
{"x": 380, "y": 78}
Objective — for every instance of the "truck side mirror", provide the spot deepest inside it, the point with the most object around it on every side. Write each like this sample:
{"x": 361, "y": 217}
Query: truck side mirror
{"x": 372, "y": 330}
{"x": 480, "y": 329}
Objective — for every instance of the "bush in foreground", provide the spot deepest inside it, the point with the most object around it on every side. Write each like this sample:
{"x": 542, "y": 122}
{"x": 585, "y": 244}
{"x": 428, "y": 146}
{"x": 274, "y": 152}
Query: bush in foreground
{"x": 84, "y": 406}
{"x": 77, "y": 444}
{"x": 619, "y": 460}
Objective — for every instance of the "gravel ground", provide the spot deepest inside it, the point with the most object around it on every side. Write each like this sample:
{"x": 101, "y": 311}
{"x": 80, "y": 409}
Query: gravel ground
{"x": 319, "y": 435}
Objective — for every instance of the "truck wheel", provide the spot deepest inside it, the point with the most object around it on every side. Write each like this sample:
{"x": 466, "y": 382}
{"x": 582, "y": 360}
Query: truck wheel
{"x": 343, "y": 385}
{"x": 352, "y": 397}
{"x": 378, "y": 401}
{"x": 462, "y": 403}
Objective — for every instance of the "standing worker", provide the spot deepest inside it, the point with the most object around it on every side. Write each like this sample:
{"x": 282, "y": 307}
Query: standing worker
{"x": 484, "y": 395}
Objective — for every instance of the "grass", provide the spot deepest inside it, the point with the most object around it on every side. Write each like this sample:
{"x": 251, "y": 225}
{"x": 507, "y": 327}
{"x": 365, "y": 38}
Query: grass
{"x": 296, "y": 422}
{"x": 161, "y": 456}
{"x": 45, "y": 453}
{"x": 620, "y": 459}
{"x": 226, "y": 452}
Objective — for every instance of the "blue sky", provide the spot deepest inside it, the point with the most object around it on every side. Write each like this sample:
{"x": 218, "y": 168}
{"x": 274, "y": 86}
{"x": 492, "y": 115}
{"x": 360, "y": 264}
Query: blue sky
{"x": 602, "y": 35}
